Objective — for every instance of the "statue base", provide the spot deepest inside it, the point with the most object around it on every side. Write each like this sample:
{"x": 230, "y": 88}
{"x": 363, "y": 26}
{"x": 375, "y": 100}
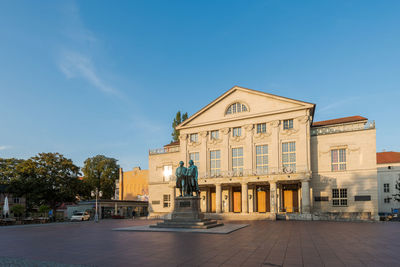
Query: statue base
{"x": 187, "y": 214}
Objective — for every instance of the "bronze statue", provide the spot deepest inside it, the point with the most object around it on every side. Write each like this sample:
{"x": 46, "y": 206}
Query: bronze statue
{"x": 180, "y": 174}
{"x": 192, "y": 175}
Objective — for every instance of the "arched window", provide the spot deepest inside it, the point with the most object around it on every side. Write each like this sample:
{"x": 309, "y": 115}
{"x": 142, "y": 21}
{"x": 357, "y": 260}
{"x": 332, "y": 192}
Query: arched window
{"x": 236, "y": 108}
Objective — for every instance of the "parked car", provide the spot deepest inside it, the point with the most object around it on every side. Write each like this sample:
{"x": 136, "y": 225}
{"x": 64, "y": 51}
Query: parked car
{"x": 80, "y": 216}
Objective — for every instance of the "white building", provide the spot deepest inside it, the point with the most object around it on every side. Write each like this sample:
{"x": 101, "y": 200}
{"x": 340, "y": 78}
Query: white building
{"x": 388, "y": 174}
{"x": 261, "y": 156}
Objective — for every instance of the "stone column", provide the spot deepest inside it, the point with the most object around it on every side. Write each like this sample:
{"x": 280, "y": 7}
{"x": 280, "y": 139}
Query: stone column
{"x": 218, "y": 197}
{"x": 273, "y": 148}
{"x": 224, "y": 134}
{"x": 272, "y": 192}
{"x": 202, "y": 169}
{"x": 172, "y": 197}
{"x": 305, "y": 200}
{"x": 244, "y": 198}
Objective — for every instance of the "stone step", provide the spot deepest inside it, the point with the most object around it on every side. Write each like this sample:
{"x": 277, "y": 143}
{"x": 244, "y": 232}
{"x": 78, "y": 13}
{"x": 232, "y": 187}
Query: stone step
{"x": 188, "y": 226}
{"x": 205, "y": 222}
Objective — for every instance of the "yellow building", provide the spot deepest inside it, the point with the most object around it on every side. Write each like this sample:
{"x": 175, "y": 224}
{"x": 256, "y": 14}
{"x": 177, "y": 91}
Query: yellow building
{"x": 133, "y": 185}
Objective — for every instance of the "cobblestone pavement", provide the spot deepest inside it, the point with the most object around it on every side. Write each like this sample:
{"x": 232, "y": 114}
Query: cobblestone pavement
{"x": 262, "y": 243}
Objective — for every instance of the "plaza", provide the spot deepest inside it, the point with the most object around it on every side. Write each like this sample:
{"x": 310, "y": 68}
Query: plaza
{"x": 262, "y": 243}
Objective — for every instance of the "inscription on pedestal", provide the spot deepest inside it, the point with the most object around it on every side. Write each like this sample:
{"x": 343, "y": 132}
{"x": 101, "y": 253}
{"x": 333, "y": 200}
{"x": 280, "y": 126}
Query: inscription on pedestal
{"x": 184, "y": 204}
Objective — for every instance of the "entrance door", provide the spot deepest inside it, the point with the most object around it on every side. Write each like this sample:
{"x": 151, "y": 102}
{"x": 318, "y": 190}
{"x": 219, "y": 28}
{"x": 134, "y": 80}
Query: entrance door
{"x": 261, "y": 201}
{"x": 237, "y": 201}
{"x": 288, "y": 200}
{"x": 213, "y": 201}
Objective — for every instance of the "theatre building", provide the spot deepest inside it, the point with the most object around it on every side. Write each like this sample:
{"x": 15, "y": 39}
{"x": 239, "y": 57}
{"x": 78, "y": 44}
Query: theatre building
{"x": 261, "y": 156}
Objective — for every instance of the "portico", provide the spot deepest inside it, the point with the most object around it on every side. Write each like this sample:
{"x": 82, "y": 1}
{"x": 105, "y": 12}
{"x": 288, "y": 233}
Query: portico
{"x": 286, "y": 196}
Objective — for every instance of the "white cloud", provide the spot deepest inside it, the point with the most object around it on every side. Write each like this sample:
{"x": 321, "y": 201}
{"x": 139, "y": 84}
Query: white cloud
{"x": 76, "y": 65}
{"x": 337, "y": 104}
{"x": 4, "y": 147}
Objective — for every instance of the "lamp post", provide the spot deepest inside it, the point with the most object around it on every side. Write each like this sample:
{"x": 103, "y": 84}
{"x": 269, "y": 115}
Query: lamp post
{"x": 98, "y": 194}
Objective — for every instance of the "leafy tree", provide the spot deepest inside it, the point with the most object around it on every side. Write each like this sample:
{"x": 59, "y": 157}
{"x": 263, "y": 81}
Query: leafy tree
{"x": 8, "y": 169}
{"x": 178, "y": 120}
{"x": 397, "y": 195}
{"x": 48, "y": 178}
{"x": 101, "y": 172}
{"x": 18, "y": 210}
{"x": 44, "y": 209}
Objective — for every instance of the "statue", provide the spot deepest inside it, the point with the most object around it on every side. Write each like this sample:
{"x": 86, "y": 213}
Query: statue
{"x": 192, "y": 176}
{"x": 181, "y": 178}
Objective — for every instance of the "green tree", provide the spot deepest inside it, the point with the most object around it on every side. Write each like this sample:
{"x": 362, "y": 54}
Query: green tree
{"x": 101, "y": 172}
{"x": 177, "y": 120}
{"x": 8, "y": 169}
{"x": 44, "y": 209}
{"x": 18, "y": 210}
{"x": 396, "y": 196}
{"x": 48, "y": 178}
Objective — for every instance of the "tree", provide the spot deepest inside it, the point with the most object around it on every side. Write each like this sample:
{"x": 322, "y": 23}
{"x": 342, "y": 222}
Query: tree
{"x": 48, "y": 178}
{"x": 8, "y": 169}
{"x": 101, "y": 172}
{"x": 397, "y": 195}
{"x": 178, "y": 120}
{"x": 17, "y": 210}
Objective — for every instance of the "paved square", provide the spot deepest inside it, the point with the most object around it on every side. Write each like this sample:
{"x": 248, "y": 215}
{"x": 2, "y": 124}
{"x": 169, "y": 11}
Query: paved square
{"x": 262, "y": 243}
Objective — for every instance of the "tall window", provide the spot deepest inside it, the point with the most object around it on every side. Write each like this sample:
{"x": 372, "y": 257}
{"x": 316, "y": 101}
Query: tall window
{"x": 262, "y": 159}
{"x": 194, "y": 138}
{"x": 167, "y": 173}
{"x": 289, "y": 156}
{"x": 386, "y": 188}
{"x": 166, "y": 201}
{"x": 237, "y": 131}
{"x": 288, "y": 124}
{"x": 237, "y": 161}
{"x": 195, "y": 157}
{"x": 215, "y": 163}
{"x": 16, "y": 200}
{"x": 261, "y": 128}
{"x": 214, "y": 134}
{"x": 338, "y": 159}
{"x": 339, "y": 197}
{"x": 236, "y": 108}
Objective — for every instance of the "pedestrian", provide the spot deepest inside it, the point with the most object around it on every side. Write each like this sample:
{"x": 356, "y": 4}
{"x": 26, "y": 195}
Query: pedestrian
{"x": 133, "y": 214}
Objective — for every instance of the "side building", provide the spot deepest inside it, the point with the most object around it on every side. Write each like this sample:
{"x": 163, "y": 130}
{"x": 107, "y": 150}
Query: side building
{"x": 261, "y": 156}
{"x": 388, "y": 175}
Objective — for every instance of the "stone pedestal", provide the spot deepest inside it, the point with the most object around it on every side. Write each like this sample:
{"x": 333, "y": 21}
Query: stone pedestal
{"x": 187, "y": 214}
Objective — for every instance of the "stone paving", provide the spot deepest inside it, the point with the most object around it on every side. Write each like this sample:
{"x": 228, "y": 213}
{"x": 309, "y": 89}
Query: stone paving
{"x": 262, "y": 243}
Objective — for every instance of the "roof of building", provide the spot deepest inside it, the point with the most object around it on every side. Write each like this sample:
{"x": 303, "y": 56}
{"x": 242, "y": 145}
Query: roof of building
{"x": 339, "y": 120}
{"x": 176, "y": 143}
{"x": 387, "y": 157}
{"x": 233, "y": 89}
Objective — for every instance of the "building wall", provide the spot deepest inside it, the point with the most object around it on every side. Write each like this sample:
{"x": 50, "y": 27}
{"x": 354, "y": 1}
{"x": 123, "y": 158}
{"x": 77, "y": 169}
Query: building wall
{"x": 359, "y": 178}
{"x": 134, "y": 184}
{"x": 388, "y": 174}
{"x": 161, "y": 184}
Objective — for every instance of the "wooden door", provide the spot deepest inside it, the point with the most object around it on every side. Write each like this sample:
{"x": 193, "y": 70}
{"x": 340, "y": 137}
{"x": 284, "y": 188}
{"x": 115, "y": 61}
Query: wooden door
{"x": 237, "y": 202}
{"x": 288, "y": 200}
{"x": 213, "y": 201}
{"x": 268, "y": 198}
{"x": 261, "y": 201}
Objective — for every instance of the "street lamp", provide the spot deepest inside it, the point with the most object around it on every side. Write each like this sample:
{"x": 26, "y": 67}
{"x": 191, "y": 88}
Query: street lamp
{"x": 98, "y": 194}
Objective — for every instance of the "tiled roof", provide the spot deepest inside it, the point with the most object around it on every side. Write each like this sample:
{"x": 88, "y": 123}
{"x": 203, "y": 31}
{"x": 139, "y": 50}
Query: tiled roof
{"x": 387, "y": 157}
{"x": 339, "y": 120}
{"x": 176, "y": 143}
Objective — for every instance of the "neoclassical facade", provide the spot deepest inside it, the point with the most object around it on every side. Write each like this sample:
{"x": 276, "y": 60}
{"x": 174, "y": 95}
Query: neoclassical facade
{"x": 261, "y": 156}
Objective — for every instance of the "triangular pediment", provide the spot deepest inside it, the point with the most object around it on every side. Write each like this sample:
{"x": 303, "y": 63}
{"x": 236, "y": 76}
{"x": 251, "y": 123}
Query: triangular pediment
{"x": 256, "y": 103}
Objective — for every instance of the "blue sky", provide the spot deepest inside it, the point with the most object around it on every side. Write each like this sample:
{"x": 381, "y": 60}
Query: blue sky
{"x": 107, "y": 77}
